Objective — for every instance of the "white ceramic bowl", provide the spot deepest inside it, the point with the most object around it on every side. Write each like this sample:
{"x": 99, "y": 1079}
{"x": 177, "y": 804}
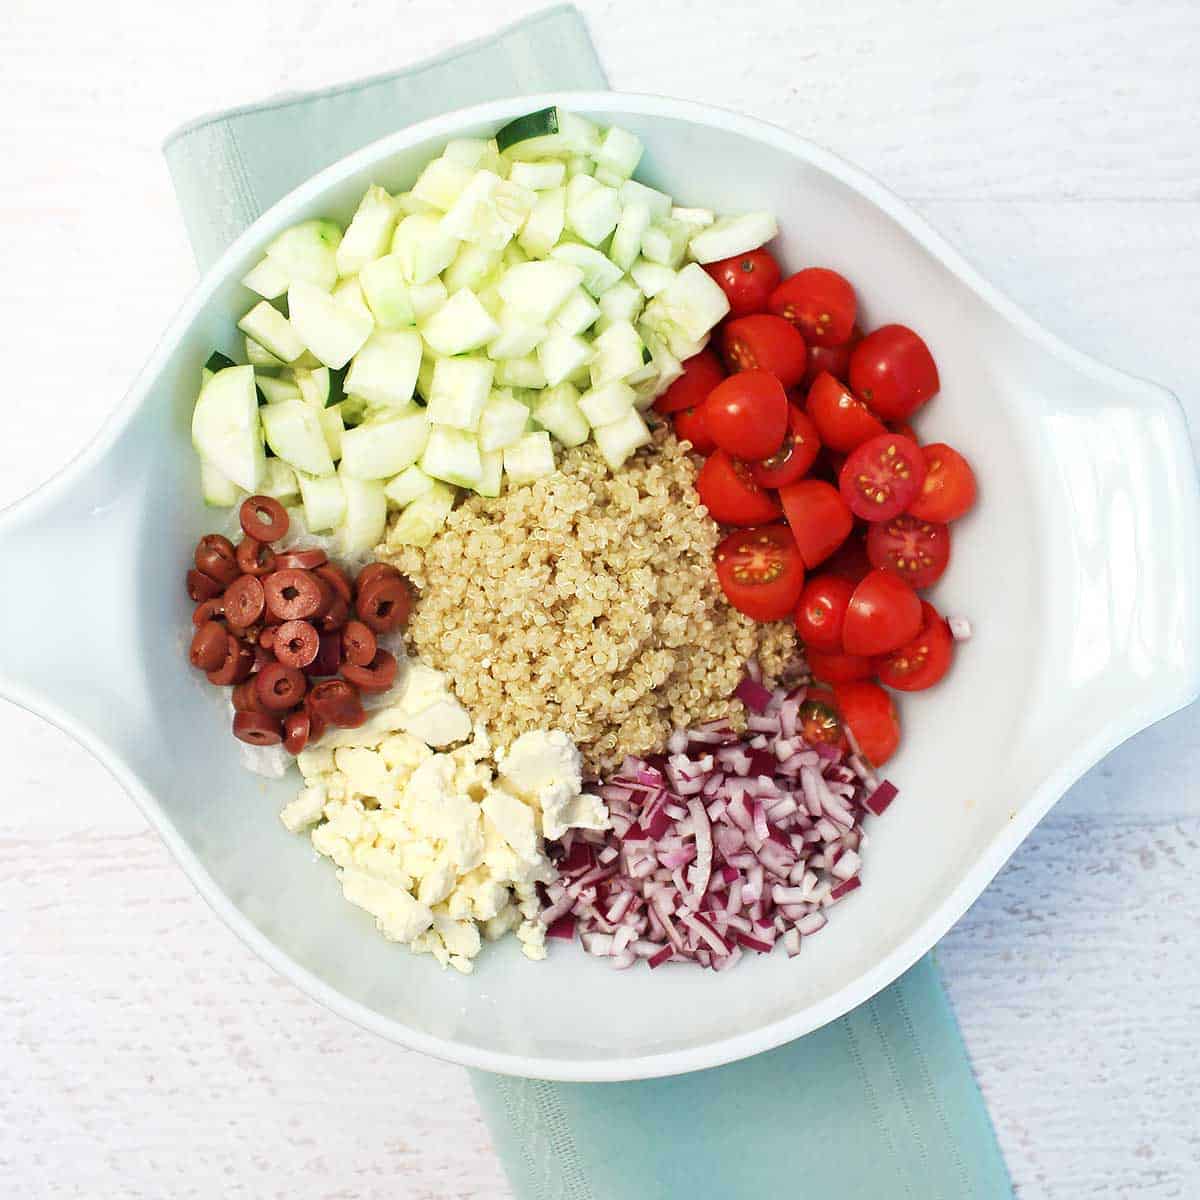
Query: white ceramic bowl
{"x": 1078, "y": 570}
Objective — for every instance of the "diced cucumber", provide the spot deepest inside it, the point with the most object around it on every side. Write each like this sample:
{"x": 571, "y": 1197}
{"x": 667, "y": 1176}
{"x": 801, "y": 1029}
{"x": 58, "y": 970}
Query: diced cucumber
{"x": 423, "y": 248}
{"x": 728, "y": 236}
{"x": 540, "y": 124}
{"x": 384, "y": 371}
{"x": 369, "y": 233}
{"x": 557, "y": 410}
{"x": 226, "y": 430}
{"x": 530, "y": 458}
{"x": 276, "y": 390}
{"x": 544, "y": 225}
{"x": 513, "y": 255}
{"x": 331, "y": 330}
{"x": 617, "y": 353}
{"x": 693, "y": 302}
{"x": 658, "y": 202}
{"x": 539, "y": 289}
{"x": 218, "y": 490}
{"x": 475, "y": 216}
{"x": 333, "y": 426}
{"x": 452, "y": 455}
{"x": 324, "y": 501}
{"x": 577, "y": 315}
{"x": 492, "y": 464}
{"x": 365, "y": 518}
{"x": 627, "y": 240}
{"x": 524, "y": 372}
{"x": 666, "y": 242}
{"x": 580, "y": 164}
{"x": 349, "y": 295}
{"x": 608, "y": 177}
{"x": 513, "y": 203}
{"x": 467, "y": 151}
{"x": 623, "y": 302}
{"x": 561, "y": 355}
{"x": 519, "y": 335}
{"x": 421, "y": 520}
{"x": 578, "y": 187}
{"x": 459, "y": 390}
{"x": 386, "y": 292}
{"x": 598, "y": 273}
{"x": 407, "y": 486}
{"x": 427, "y": 298}
{"x": 606, "y": 405}
{"x": 489, "y": 296}
{"x": 442, "y": 182}
{"x": 652, "y": 278}
{"x": 471, "y": 266}
{"x": 293, "y": 431}
{"x": 260, "y": 358}
{"x": 502, "y": 421}
{"x": 384, "y": 446}
{"x": 459, "y": 325}
{"x": 616, "y": 442}
{"x": 538, "y": 176}
{"x": 429, "y": 362}
{"x": 273, "y": 331}
{"x": 280, "y": 481}
{"x": 267, "y": 278}
{"x": 313, "y": 385}
{"x": 594, "y": 215}
{"x": 662, "y": 371}
{"x": 697, "y": 218}
{"x": 308, "y": 252}
{"x": 620, "y": 151}
{"x": 353, "y": 410}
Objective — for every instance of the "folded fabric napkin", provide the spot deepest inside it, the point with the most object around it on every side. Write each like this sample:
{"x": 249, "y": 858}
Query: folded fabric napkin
{"x": 877, "y": 1106}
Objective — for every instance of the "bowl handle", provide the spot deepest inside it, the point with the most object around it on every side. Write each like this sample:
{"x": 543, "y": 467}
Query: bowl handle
{"x": 1121, "y": 626}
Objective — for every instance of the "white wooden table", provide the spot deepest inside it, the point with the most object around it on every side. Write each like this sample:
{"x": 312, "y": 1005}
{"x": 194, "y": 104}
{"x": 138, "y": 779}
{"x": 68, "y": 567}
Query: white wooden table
{"x": 143, "y": 1050}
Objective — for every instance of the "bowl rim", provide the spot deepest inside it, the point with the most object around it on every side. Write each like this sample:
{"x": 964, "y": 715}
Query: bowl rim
{"x": 736, "y": 1046}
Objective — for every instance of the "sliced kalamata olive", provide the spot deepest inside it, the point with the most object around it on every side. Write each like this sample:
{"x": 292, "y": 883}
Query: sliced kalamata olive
{"x": 337, "y": 579}
{"x": 244, "y": 601}
{"x": 207, "y": 651}
{"x": 255, "y": 558}
{"x": 266, "y": 637}
{"x": 378, "y": 676}
{"x": 296, "y": 643}
{"x": 237, "y": 665}
{"x": 280, "y": 687}
{"x": 257, "y": 728}
{"x": 374, "y": 571}
{"x": 316, "y": 724}
{"x": 245, "y": 697}
{"x": 297, "y": 728}
{"x": 384, "y": 604}
{"x": 338, "y": 702}
{"x": 293, "y": 595}
{"x": 301, "y": 560}
{"x": 329, "y": 655}
{"x": 216, "y": 557}
{"x": 202, "y": 587}
{"x": 335, "y": 616}
{"x": 358, "y": 644}
{"x": 208, "y": 610}
{"x": 263, "y": 518}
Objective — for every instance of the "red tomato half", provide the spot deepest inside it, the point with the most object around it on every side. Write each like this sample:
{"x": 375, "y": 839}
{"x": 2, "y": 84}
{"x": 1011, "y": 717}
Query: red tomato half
{"x": 747, "y": 414}
{"x": 839, "y": 668}
{"x": 820, "y": 303}
{"x": 747, "y": 280}
{"x": 924, "y": 661}
{"x": 882, "y": 477}
{"x": 818, "y": 517}
{"x": 761, "y": 572}
{"x": 949, "y": 487}
{"x": 834, "y": 359}
{"x": 821, "y": 612}
{"x": 766, "y": 343}
{"x": 871, "y": 716}
{"x": 690, "y": 427}
{"x": 916, "y": 550}
{"x": 794, "y": 458}
{"x": 893, "y": 371}
{"x": 842, "y": 419}
{"x": 884, "y": 613}
{"x": 819, "y": 719}
{"x": 850, "y": 561}
{"x": 701, "y": 373}
{"x": 728, "y": 491}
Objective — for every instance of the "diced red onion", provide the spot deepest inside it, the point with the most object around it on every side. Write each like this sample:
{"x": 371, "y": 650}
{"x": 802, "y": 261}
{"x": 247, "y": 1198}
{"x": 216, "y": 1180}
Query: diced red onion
{"x": 960, "y": 628}
{"x": 753, "y": 695}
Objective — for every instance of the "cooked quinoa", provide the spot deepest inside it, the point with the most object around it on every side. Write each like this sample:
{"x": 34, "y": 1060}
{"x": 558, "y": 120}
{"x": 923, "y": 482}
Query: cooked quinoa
{"x": 587, "y": 602}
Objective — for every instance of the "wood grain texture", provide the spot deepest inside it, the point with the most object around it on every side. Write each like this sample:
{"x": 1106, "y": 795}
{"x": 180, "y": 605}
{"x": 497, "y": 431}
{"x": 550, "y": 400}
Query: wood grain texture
{"x": 145, "y": 1051}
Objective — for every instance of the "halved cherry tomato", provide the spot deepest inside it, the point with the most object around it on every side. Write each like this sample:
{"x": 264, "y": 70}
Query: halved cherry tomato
{"x": 747, "y": 280}
{"x": 761, "y": 572}
{"x": 818, "y": 517}
{"x": 884, "y": 612}
{"x": 904, "y": 429}
{"x": 893, "y": 371}
{"x": 839, "y": 668}
{"x": 924, "y": 661}
{"x": 821, "y": 611}
{"x": 794, "y": 458}
{"x": 949, "y": 487}
{"x": 872, "y": 718}
{"x": 882, "y": 477}
{"x": 842, "y": 419}
{"x": 916, "y": 550}
{"x": 701, "y": 373}
{"x": 747, "y": 414}
{"x": 767, "y": 343}
{"x": 834, "y": 359}
{"x": 690, "y": 427}
{"x": 819, "y": 720}
{"x": 850, "y": 561}
{"x": 728, "y": 491}
{"x": 820, "y": 303}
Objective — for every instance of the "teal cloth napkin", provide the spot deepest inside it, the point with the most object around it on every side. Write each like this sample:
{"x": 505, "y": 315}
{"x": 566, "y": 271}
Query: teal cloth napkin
{"x": 877, "y": 1106}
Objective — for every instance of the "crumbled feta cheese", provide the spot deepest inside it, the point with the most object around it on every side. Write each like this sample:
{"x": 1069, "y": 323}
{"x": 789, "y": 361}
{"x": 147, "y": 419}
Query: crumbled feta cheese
{"x": 305, "y": 810}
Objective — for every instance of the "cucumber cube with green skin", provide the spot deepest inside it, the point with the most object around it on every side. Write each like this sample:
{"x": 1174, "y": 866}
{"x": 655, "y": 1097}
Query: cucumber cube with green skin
{"x": 384, "y": 371}
{"x": 502, "y": 421}
{"x": 561, "y": 355}
{"x": 524, "y": 372}
{"x": 442, "y": 182}
{"x": 540, "y": 289}
{"x": 452, "y": 455}
{"x": 369, "y": 233}
{"x": 421, "y": 520}
{"x": 331, "y": 330}
{"x": 459, "y": 391}
{"x": 617, "y": 441}
{"x": 594, "y": 216}
{"x": 599, "y": 274}
{"x": 427, "y": 298}
{"x": 307, "y": 252}
{"x": 407, "y": 486}
{"x": 276, "y": 390}
{"x": 324, "y": 501}
{"x": 652, "y": 278}
{"x": 261, "y": 359}
{"x": 471, "y": 266}
{"x": 273, "y": 331}
{"x": 577, "y": 315}
{"x": 620, "y": 151}
{"x": 424, "y": 249}
{"x": 530, "y": 458}
{"x": 365, "y": 519}
{"x": 627, "y": 239}
{"x": 384, "y": 446}
{"x": 492, "y": 462}
{"x": 658, "y": 202}
{"x": 617, "y": 353}
{"x": 666, "y": 242}
{"x": 519, "y": 335}
{"x": 267, "y": 278}
{"x": 313, "y": 385}
{"x": 557, "y": 411}
{"x": 606, "y": 405}
{"x": 538, "y": 176}
{"x": 460, "y": 325}
{"x": 544, "y": 225}
{"x": 280, "y": 482}
{"x": 386, "y": 292}
{"x": 293, "y": 431}
{"x": 226, "y": 427}
{"x": 333, "y": 426}
{"x": 728, "y": 236}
